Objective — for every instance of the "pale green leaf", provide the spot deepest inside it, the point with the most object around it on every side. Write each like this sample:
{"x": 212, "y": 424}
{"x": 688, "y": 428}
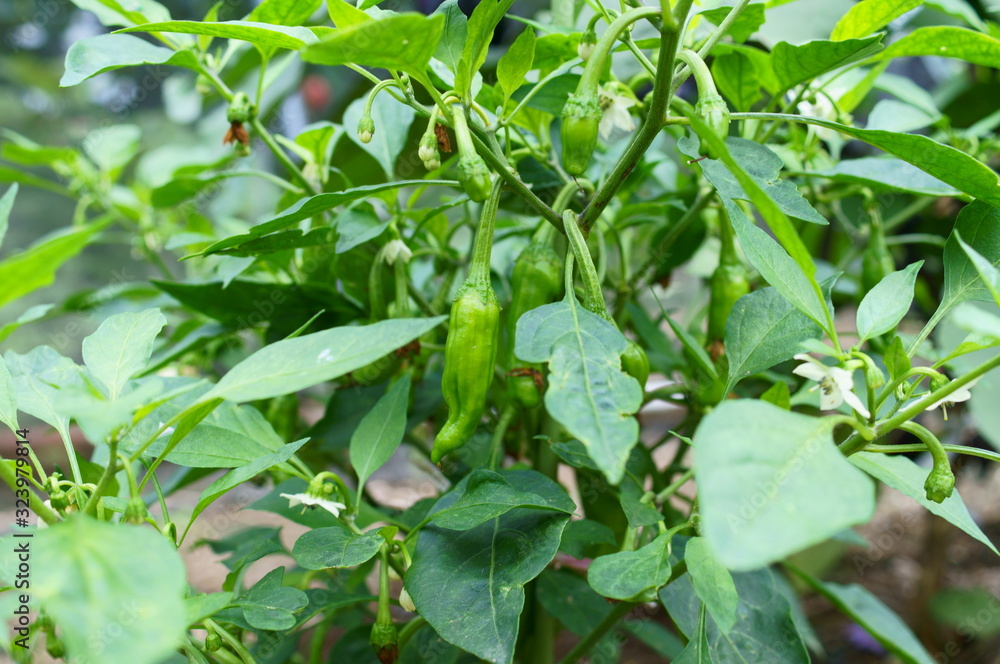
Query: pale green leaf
{"x": 632, "y": 575}
{"x": 259, "y": 34}
{"x": 772, "y": 482}
{"x": 6, "y": 205}
{"x": 8, "y": 402}
{"x": 887, "y": 303}
{"x": 291, "y": 365}
{"x": 869, "y": 16}
{"x": 736, "y": 78}
{"x": 713, "y": 583}
{"x": 121, "y": 347}
{"x": 588, "y": 392}
{"x": 96, "y": 55}
{"x": 978, "y": 226}
{"x": 515, "y": 64}
{"x": 391, "y": 118}
{"x": 480, "y": 27}
{"x": 291, "y": 13}
{"x": 127, "y": 12}
{"x": 380, "y": 431}
{"x": 948, "y": 42}
{"x": 449, "y": 49}
{"x": 698, "y": 650}
{"x": 887, "y": 173}
{"x": 987, "y": 269}
{"x": 335, "y": 547}
{"x": 797, "y": 64}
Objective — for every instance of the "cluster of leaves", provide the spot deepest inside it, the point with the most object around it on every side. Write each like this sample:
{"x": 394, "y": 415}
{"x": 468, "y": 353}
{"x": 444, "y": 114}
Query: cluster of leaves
{"x": 286, "y": 292}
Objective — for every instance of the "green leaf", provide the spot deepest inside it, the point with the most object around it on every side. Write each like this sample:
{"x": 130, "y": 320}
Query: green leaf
{"x": 632, "y": 575}
{"x": 258, "y": 34}
{"x": 270, "y": 605}
{"x": 380, "y": 431}
{"x": 764, "y": 629}
{"x": 896, "y": 360}
{"x": 907, "y": 477}
{"x": 488, "y": 495}
{"x": 736, "y": 78}
{"x": 698, "y": 651}
{"x": 112, "y": 12}
{"x": 121, "y": 347}
{"x": 95, "y": 55}
{"x": 987, "y": 270}
{"x": 771, "y": 482}
{"x": 777, "y": 267}
{"x": 797, "y": 64}
{"x": 8, "y": 403}
{"x": 284, "y": 12}
{"x": 978, "y": 225}
{"x": 85, "y": 593}
{"x": 315, "y": 205}
{"x": 960, "y": 9}
{"x": 764, "y": 329}
{"x": 946, "y": 163}
{"x": 870, "y": 16}
{"x": 6, "y": 205}
{"x": 295, "y": 364}
{"x": 480, "y": 27}
{"x": 748, "y": 22}
{"x": 763, "y": 166}
{"x": 515, "y": 64}
{"x": 887, "y": 303}
{"x": 469, "y": 585}
{"x": 867, "y": 610}
{"x": 449, "y": 49}
{"x": 404, "y": 42}
{"x": 391, "y": 118}
{"x": 948, "y": 42}
{"x": 887, "y": 173}
{"x": 335, "y": 547}
{"x": 582, "y": 534}
{"x": 204, "y": 606}
{"x": 238, "y": 476}
{"x": 779, "y": 395}
{"x": 356, "y": 225}
{"x": 567, "y": 598}
{"x": 38, "y": 377}
{"x": 588, "y": 392}
{"x": 344, "y": 14}
{"x": 713, "y": 583}
{"x": 30, "y": 314}
{"x": 36, "y": 267}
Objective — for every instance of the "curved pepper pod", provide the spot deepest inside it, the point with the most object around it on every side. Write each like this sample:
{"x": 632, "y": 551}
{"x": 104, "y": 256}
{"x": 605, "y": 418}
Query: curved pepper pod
{"x": 474, "y": 176}
{"x": 537, "y": 280}
{"x": 581, "y": 120}
{"x": 470, "y": 355}
{"x": 714, "y": 111}
{"x": 940, "y": 484}
{"x": 727, "y": 285}
{"x": 635, "y": 363}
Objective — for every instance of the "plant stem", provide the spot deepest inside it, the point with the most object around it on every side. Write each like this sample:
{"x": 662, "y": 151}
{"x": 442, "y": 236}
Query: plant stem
{"x": 496, "y": 444}
{"x": 233, "y": 642}
{"x": 674, "y": 486}
{"x": 712, "y": 40}
{"x": 620, "y": 610}
{"x": 920, "y": 447}
{"x": 8, "y": 474}
{"x": 669, "y": 39}
{"x": 109, "y": 472}
{"x": 269, "y": 141}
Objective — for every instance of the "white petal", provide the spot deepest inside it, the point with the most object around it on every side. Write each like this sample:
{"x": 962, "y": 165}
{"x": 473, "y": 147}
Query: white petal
{"x": 295, "y": 499}
{"x": 831, "y": 400}
{"x": 810, "y": 371}
{"x": 843, "y": 378}
{"x": 854, "y": 402}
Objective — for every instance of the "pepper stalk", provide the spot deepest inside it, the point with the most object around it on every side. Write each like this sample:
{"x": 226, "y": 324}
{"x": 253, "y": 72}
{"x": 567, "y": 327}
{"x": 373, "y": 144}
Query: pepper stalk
{"x": 384, "y": 637}
{"x": 711, "y": 107}
{"x": 472, "y": 170}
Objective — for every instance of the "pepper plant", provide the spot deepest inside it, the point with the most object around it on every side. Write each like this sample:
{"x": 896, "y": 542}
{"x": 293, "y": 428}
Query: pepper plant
{"x": 647, "y": 337}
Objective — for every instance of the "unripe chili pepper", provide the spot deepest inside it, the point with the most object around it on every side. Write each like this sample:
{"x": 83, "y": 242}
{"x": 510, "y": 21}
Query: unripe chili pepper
{"x": 471, "y": 349}
{"x": 472, "y": 170}
{"x": 635, "y": 362}
{"x": 537, "y": 280}
{"x": 876, "y": 261}
{"x": 727, "y": 285}
{"x": 213, "y": 642}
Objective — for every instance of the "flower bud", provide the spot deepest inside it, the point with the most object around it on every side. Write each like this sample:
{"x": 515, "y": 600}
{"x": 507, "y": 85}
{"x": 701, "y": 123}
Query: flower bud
{"x": 586, "y": 46}
{"x": 240, "y": 109}
{"x": 428, "y": 151}
{"x": 940, "y": 483}
{"x": 714, "y": 111}
{"x": 406, "y": 601}
{"x": 366, "y": 128}
{"x": 581, "y": 120}
{"x": 213, "y": 642}
{"x": 383, "y": 642}
{"x": 135, "y": 511}
{"x": 203, "y": 85}
{"x": 474, "y": 176}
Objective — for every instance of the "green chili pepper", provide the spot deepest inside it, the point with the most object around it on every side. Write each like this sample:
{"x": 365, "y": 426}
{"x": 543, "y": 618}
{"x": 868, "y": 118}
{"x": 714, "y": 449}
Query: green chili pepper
{"x": 635, "y": 363}
{"x": 472, "y": 170}
{"x": 876, "y": 261}
{"x": 384, "y": 636}
{"x": 711, "y": 107}
{"x": 581, "y": 120}
{"x": 471, "y": 350}
{"x": 537, "y": 280}
{"x": 728, "y": 284}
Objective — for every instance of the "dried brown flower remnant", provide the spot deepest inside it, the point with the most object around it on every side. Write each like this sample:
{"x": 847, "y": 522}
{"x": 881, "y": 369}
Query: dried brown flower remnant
{"x": 237, "y": 134}
{"x": 444, "y": 142}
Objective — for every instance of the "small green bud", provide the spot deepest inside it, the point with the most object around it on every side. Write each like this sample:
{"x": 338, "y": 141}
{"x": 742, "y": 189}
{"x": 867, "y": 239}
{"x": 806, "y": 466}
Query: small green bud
{"x": 169, "y": 531}
{"x": 635, "y": 363}
{"x": 383, "y": 641}
{"x": 428, "y": 151}
{"x": 581, "y": 120}
{"x": 406, "y": 601}
{"x": 59, "y": 499}
{"x": 54, "y": 645}
{"x": 241, "y": 109}
{"x": 940, "y": 483}
{"x": 241, "y": 149}
{"x": 203, "y": 85}
{"x": 714, "y": 111}
{"x": 366, "y": 128}
{"x": 938, "y": 381}
{"x": 135, "y": 511}
{"x": 474, "y": 176}
{"x": 586, "y": 46}
{"x": 213, "y": 642}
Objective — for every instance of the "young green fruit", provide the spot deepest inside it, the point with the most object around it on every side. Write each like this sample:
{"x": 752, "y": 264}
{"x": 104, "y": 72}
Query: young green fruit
{"x": 635, "y": 363}
{"x": 581, "y": 121}
{"x": 728, "y": 284}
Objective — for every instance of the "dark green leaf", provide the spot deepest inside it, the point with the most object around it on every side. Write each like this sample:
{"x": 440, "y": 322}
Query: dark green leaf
{"x": 978, "y": 225}
{"x": 736, "y": 78}
{"x": 567, "y": 598}
{"x": 449, "y": 49}
{"x": 797, "y": 64}
{"x": 488, "y": 495}
{"x": 270, "y": 605}
{"x": 335, "y": 547}
{"x": 380, "y": 431}
{"x": 580, "y": 536}
{"x": 632, "y": 575}
{"x": 713, "y": 583}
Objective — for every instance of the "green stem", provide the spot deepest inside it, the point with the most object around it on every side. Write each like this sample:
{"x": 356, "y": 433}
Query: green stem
{"x": 934, "y": 446}
{"x": 233, "y": 642}
{"x": 702, "y": 76}
{"x": 593, "y": 294}
{"x": 594, "y": 68}
{"x": 8, "y": 473}
{"x": 712, "y": 40}
{"x": 480, "y": 272}
{"x": 619, "y": 611}
{"x": 272, "y": 145}
{"x": 669, "y": 39}
{"x": 496, "y": 444}
{"x": 408, "y": 630}
{"x": 102, "y": 484}
{"x": 674, "y": 486}
{"x": 957, "y": 449}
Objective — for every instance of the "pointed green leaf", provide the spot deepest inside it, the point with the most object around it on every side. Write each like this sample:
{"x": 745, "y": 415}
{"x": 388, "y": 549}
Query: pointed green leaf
{"x": 887, "y": 173}
{"x": 449, "y": 49}
{"x": 295, "y": 364}
{"x": 987, "y": 270}
{"x": 870, "y": 16}
{"x": 698, "y": 650}
{"x": 713, "y": 583}
{"x": 291, "y": 13}
{"x": 95, "y": 55}
{"x": 259, "y": 34}
{"x": 747, "y": 23}
{"x": 8, "y": 402}
{"x": 946, "y": 41}
{"x": 797, "y": 64}
{"x": 887, "y": 303}
{"x": 480, "y": 27}
{"x": 567, "y": 598}
{"x": 978, "y": 225}
{"x": 632, "y": 575}
{"x": 588, "y": 392}
{"x": 772, "y": 482}
{"x": 515, "y": 64}
{"x": 907, "y": 477}
{"x": 469, "y": 585}
{"x": 121, "y": 347}
{"x": 764, "y": 329}
{"x": 270, "y": 605}
{"x": 380, "y": 431}
{"x": 487, "y": 496}
{"x": 737, "y": 79}
{"x": 6, "y": 205}
{"x": 335, "y": 547}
